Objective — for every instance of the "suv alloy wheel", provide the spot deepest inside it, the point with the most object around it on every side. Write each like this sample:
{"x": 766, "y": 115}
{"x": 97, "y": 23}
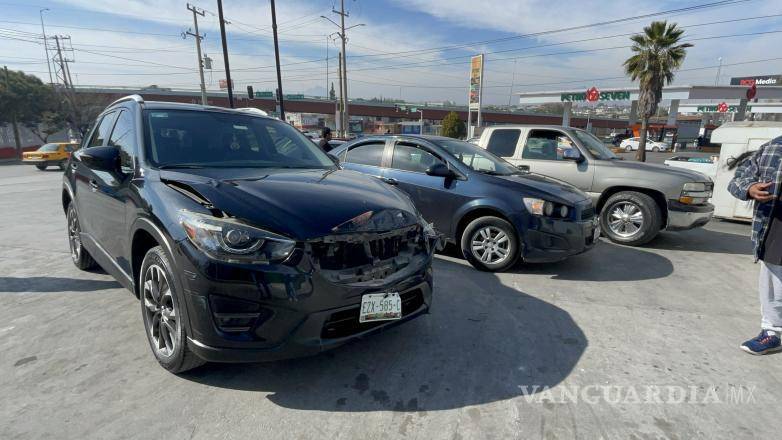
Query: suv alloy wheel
{"x": 162, "y": 314}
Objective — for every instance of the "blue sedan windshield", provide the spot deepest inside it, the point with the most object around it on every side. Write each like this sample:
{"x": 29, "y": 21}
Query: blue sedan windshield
{"x": 477, "y": 158}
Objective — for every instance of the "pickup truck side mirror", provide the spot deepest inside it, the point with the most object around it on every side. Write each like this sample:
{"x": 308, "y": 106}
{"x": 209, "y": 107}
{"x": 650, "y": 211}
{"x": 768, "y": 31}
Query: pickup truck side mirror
{"x": 440, "y": 170}
{"x": 573, "y": 154}
{"x": 99, "y": 158}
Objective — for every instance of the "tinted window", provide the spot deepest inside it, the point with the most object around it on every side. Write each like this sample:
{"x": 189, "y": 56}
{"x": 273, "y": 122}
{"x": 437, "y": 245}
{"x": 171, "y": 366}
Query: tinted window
{"x": 367, "y": 154}
{"x": 102, "y": 132}
{"x": 412, "y": 158}
{"x": 503, "y": 142}
{"x": 124, "y": 138}
{"x": 186, "y": 138}
{"x": 548, "y": 145}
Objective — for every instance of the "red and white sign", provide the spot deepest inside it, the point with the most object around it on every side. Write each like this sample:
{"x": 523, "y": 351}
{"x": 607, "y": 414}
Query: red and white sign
{"x": 722, "y": 107}
{"x": 593, "y": 94}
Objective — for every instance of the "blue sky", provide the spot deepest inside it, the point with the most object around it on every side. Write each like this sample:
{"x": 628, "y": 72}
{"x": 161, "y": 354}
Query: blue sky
{"x": 405, "y": 47}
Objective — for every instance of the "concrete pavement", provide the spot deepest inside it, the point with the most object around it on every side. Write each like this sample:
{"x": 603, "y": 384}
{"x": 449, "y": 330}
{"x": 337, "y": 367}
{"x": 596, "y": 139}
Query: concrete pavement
{"x": 617, "y": 343}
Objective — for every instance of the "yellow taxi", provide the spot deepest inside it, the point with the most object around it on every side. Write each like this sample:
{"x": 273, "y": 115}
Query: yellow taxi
{"x": 56, "y": 153}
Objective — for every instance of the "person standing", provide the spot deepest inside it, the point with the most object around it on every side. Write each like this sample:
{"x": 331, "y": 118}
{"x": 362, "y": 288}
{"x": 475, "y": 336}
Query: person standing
{"x": 325, "y": 137}
{"x": 759, "y": 177}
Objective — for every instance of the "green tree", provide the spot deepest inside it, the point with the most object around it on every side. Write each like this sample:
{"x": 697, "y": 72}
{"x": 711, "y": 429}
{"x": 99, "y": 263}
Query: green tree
{"x": 25, "y": 100}
{"x": 657, "y": 53}
{"x": 453, "y": 126}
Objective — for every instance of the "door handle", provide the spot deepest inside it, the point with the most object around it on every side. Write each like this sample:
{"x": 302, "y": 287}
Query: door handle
{"x": 389, "y": 180}
{"x": 93, "y": 185}
{"x": 523, "y": 167}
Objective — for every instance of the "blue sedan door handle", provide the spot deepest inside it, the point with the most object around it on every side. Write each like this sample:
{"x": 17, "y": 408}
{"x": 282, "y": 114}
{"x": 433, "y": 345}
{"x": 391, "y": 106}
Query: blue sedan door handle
{"x": 389, "y": 180}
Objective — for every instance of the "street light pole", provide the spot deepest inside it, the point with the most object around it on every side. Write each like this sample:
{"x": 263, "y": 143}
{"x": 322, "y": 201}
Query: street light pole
{"x": 225, "y": 54}
{"x": 719, "y": 70}
{"x": 45, "y": 45}
{"x": 277, "y": 59}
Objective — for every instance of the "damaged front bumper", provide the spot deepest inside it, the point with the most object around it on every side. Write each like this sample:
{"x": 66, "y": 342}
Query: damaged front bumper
{"x": 308, "y": 303}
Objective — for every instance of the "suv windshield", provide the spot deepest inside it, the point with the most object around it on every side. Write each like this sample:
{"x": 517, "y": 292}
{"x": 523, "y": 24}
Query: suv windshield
{"x": 49, "y": 147}
{"x": 200, "y": 139}
{"x": 594, "y": 145}
{"x": 477, "y": 158}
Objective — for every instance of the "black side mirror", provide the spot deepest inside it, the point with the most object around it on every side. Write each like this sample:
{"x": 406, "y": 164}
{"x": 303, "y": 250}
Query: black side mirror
{"x": 99, "y": 158}
{"x": 440, "y": 170}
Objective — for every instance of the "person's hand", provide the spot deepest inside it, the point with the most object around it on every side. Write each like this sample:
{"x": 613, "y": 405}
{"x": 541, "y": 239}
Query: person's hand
{"x": 758, "y": 192}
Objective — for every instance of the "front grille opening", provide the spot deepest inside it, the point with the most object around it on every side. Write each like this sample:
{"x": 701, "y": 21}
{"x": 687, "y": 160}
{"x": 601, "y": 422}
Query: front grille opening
{"x": 367, "y": 256}
{"x": 345, "y": 322}
{"x": 588, "y": 213}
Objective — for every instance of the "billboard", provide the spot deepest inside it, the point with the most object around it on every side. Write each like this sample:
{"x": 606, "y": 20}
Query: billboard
{"x": 760, "y": 80}
{"x": 476, "y": 77}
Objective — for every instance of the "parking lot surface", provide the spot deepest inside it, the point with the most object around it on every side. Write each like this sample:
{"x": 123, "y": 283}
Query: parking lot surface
{"x": 617, "y": 343}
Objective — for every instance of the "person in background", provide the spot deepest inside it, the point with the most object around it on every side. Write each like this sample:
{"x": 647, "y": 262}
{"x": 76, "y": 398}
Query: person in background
{"x": 325, "y": 137}
{"x": 758, "y": 177}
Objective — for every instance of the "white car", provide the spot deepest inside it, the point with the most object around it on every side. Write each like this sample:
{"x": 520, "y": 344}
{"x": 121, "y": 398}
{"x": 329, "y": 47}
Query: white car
{"x": 631, "y": 144}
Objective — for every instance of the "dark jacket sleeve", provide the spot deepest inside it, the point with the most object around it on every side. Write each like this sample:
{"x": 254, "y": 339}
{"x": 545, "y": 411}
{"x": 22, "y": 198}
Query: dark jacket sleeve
{"x": 747, "y": 173}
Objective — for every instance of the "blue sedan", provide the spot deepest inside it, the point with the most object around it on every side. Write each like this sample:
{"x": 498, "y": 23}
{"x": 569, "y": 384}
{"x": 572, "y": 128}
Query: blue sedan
{"x": 496, "y": 213}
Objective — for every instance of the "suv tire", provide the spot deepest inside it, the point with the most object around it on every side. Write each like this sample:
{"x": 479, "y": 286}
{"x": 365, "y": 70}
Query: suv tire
{"x": 630, "y": 218}
{"x": 490, "y": 244}
{"x": 164, "y": 313}
{"x": 41, "y": 167}
{"x": 80, "y": 257}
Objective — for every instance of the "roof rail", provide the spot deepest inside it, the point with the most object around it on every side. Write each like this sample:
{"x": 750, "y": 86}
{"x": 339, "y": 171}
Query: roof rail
{"x": 136, "y": 98}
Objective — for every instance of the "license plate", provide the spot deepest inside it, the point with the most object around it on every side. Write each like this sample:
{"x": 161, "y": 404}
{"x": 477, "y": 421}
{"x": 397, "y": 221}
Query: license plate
{"x": 380, "y": 307}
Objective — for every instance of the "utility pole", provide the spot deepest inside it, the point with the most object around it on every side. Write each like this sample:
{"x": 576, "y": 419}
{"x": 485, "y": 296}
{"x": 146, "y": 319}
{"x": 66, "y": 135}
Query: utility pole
{"x": 225, "y": 54}
{"x": 45, "y": 45}
{"x": 277, "y": 60}
{"x": 196, "y": 12}
{"x": 64, "y": 72}
{"x": 327, "y": 66}
{"x": 340, "y": 113}
{"x": 512, "y": 83}
{"x": 343, "y": 60}
{"x": 719, "y": 70}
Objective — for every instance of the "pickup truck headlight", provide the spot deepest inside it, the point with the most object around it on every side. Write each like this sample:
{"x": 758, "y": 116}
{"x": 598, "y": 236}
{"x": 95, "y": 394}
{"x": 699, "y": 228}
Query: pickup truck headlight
{"x": 232, "y": 241}
{"x": 696, "y": 193}
{"x": 545, "y": 208}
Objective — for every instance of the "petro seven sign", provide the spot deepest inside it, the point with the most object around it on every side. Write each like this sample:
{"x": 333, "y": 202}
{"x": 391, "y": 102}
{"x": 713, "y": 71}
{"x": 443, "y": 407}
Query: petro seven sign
{"x": 595, "y": 95}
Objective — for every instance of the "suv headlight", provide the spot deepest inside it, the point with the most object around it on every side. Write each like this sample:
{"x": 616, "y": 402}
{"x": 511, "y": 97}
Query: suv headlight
{"x": 696, "y": 193}
{"x": 232, "y": 241}
{"x": 545, "y": 208}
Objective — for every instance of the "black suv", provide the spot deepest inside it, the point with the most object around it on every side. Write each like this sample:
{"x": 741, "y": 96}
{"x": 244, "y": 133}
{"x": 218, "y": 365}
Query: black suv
{"x": 242, "y": 240}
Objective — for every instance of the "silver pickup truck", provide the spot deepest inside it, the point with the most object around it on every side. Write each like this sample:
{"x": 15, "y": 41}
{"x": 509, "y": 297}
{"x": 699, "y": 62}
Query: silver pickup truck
{"x": 635, "y": 200}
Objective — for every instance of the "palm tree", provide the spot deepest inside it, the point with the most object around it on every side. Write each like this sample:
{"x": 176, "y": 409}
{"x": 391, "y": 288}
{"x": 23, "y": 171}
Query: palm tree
{"x": 657, "y": 54}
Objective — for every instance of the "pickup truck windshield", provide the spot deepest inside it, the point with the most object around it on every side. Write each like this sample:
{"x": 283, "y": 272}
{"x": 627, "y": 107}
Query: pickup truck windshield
{"x": 597, "y": 148}
{"x": 477, "y": 158}
{"x": 204, "y": 139}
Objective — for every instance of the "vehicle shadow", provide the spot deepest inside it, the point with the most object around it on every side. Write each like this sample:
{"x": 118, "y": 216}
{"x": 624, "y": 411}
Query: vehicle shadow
{"x": 53, "y": 284}
{"x": 591, "y": 266}
{"x": 703, "y": 240}
{"x": 483, "y": 342}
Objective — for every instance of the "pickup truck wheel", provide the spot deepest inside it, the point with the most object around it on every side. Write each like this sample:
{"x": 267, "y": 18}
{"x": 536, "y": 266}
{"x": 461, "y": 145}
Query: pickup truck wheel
{"x": 490, "y": 244}
{"x": 163, "y": 312}
{"x": 80, "y": 257}
{"x": 41, "y": 167}
{"x": 630, "y": 218}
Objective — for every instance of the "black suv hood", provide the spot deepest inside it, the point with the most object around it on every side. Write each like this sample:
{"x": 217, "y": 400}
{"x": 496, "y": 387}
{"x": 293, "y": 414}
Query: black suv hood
{"x": 299, "y": 203}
